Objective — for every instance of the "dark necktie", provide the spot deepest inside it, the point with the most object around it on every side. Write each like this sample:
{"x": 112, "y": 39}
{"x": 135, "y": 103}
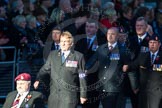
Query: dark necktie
{"x": 152, "y": 58}
{"x": 88, "y": 43}
{"x": 57, "y": 47}
{"x": 63, "y": 57}
{"x": 16, "y": 102}
{"x": 140, "y": 40}
{"x": 110, "y": 48}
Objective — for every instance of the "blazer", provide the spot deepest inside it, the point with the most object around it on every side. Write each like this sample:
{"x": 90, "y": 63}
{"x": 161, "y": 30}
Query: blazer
{"x": 110, "y": 67}
{"x": 150, "y": 74}
{"x": 67, "y": 81}
{"x": 82, "y": 46}
{"x": 134, "y": 45}
{"x": 36, "y": 100}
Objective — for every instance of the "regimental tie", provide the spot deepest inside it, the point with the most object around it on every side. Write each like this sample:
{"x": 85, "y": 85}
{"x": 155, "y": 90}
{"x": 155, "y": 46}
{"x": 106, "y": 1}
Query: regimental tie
{"x": 88, "y": 43}
{"x": 140, "y": 40}
{"x": 16, "y": 102}
{"x": 110, "y": 48}
{"x": 152, "y": 58}
{"x": 57, "y": 47}
{"x": 63, "y": 57}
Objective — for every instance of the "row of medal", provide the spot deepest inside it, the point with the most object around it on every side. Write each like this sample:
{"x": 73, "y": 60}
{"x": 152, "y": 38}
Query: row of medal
{"x": 114, "y": 56}
{"x": 157, "y": 67}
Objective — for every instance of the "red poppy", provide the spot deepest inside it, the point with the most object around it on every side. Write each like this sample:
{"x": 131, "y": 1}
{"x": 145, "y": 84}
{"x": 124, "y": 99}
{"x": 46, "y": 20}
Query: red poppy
{"x": 147, "y": 38}
{"x": 157, "y": 58}
{"x": 28, "y": 97}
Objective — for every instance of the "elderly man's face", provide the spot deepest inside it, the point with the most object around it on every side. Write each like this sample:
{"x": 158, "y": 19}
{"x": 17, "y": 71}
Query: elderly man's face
{"x": 22, "y": 86}
{"x": 65, "y": 43}
{"x": 141, "y": 27}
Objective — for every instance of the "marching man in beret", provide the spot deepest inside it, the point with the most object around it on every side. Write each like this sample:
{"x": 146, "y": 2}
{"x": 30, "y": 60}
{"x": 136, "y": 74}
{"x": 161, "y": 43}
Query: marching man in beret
{"x": 23, "y": 97}
{"x": 150, "y": 67}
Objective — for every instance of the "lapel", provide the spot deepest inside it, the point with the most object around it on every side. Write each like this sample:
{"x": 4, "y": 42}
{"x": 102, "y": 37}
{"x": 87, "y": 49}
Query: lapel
{"x": 95, "y": 42}
{"x": 145, "y": 41}
{"x": 106, "y": 53}
{"x": 12, "y": 98}
{"x": 136, "y": 40}
{"x": 26, "y": 100}
{"x": 157, "y": 58}
{"x": 57, "y": 58}
{"x": 53, "y": 46}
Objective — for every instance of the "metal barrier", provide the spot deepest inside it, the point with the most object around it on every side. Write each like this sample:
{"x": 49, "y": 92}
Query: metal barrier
{"x": 25, "y": 65}
{"x": 7, "y": 73}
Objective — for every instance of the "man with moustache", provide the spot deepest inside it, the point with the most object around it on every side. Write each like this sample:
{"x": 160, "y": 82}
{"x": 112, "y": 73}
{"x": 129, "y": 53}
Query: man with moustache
{"x": 23, "y": 97}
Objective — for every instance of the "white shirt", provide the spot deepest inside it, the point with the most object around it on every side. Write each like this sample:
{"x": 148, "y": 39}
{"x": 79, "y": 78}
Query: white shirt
{"x": 66, "y": 53}
{"x": 92, "y": 39}
{"x": 155, "y": 54}
{"x": 58, "y": 46}
{"x": 113, "y": 45}
{"x": 142, "y": 37}
{"x": 21, "y": 98}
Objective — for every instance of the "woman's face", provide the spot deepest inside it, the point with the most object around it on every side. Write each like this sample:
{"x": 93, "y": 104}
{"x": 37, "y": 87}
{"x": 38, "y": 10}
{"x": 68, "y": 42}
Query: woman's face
{"x": 23, "y": 23}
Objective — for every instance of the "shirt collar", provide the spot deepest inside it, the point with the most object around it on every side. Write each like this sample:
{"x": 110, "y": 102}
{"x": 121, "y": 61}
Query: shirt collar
{"x": 66, "y": 53}
{"x": 113, "y": 45}
{"x": 142, "y": 37}
{"x": 92, "y": 38}
{"x": 57, "y": 44}
{"x": 154, "y": 53}
{"x": 24, "y": 94}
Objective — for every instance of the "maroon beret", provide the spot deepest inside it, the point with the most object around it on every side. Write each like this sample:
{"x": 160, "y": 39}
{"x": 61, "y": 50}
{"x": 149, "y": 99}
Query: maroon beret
{"x": 155, "y": 37}
{"x": 23, "y": 76}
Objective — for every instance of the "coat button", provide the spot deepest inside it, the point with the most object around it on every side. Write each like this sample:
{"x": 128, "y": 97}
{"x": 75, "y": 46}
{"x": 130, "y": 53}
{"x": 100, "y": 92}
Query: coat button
{"x": 103, "y": 90}
{"x": 104, "y": 78}
{"x": 105, "y": 67}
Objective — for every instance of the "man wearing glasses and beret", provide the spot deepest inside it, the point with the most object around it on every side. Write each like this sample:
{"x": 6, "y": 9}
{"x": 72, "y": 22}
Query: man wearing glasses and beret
{"x": 23, "y": 97}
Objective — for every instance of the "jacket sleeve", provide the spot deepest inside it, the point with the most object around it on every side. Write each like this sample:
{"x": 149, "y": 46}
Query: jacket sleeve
{"x": 82, "y": 78}
{"x": 45, "y": 69}
{"x": 92, "y": 61}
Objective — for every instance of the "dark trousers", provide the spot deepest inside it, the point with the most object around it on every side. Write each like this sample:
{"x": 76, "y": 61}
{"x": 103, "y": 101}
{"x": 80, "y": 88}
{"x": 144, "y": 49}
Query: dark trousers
{"x": 131, "y": 82}
{"x": 154, "y": 98}
{"x": 110, "y": 100}
{"x": 93, "y": 93}
{"x": 142, "y": 99}
{"x": 93, "y": 100}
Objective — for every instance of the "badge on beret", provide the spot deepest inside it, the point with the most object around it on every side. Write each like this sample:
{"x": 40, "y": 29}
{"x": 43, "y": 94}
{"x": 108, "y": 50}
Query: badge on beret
{"x": 22, "y": 77}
